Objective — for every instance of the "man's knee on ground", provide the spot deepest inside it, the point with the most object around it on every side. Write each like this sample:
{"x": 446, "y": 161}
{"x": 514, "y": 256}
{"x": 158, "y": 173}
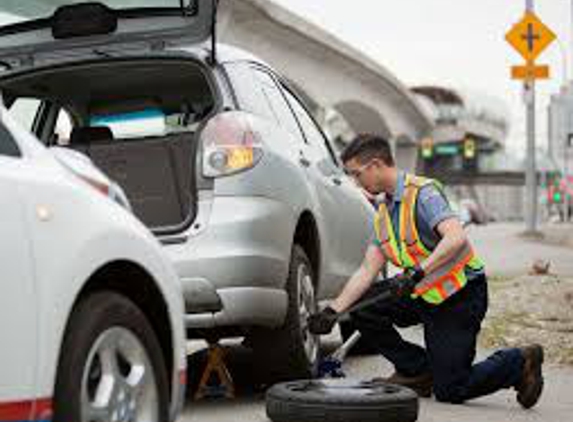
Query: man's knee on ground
{"x": 449, "y": 394}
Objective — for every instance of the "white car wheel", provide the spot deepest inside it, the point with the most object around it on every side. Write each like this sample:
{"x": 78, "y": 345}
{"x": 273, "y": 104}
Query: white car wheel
{"x": 111, "y": 366}
{"x": 118, "y": 383}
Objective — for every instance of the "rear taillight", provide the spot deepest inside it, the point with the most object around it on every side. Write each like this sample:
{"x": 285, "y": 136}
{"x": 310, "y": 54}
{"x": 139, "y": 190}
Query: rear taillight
{"x": 112, "y": 190}
{"x": 99, "y": 186}
{"x": 231, "y": 144}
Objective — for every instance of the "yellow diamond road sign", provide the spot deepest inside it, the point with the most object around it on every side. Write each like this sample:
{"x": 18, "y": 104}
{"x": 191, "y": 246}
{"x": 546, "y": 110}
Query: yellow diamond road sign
{"x": 530, "y": 36}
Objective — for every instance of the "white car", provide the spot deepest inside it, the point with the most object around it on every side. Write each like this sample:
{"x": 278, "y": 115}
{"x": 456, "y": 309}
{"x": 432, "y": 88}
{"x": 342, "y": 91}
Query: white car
{"x": 91, "y": 313}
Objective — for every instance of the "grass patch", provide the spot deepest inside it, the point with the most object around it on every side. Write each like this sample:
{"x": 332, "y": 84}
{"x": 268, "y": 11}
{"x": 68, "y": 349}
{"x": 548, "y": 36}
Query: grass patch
{"x": 498, "y": 279}
{"x": 565, "y": 356}
{"x": 496, "y": 330}
{"x": 493, "y": 333}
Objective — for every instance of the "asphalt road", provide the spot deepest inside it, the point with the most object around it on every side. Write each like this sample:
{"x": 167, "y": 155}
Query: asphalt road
{"x": 505, "y": 253}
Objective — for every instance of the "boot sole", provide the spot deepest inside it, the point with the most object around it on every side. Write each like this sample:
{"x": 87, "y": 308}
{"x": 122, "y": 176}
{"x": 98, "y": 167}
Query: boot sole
{"x": 538, "y": 358}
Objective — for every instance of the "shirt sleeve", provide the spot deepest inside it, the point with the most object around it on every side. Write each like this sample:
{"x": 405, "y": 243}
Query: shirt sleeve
{"x": 433, "y": 207}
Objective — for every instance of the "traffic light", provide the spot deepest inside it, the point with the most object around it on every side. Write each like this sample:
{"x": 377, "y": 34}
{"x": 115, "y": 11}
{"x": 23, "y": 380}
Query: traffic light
{"x": 469, "y": 149}
{"x": 555, "y": 192}
{"x": 427, "y": 147}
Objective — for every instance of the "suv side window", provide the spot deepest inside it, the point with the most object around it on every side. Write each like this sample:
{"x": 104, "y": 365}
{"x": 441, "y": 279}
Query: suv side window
{"x": 276, "y": 102}
{"x": 257, "y": 92}
{"x": 8, "y": 146}
{"x": 250, "y": 96}
{"x": 312, "y": 132}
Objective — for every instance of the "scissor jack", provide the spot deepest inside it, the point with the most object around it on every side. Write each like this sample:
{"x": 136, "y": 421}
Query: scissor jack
{"x": 215, "y": 368}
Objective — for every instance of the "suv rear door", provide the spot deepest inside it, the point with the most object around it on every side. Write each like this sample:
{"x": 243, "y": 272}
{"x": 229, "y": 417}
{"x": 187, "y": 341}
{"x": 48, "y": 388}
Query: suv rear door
{"x": 348, "y": 214}
{"x": 64, "y": 27}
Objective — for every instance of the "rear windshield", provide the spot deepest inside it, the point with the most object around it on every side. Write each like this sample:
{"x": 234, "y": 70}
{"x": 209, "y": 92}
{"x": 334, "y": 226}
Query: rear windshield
{"x": 18, "y": 10}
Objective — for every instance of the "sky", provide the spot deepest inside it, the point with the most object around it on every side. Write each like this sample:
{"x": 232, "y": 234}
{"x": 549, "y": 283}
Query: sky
{"x": 456, "y": 43}
{"x": 453, "y": 43}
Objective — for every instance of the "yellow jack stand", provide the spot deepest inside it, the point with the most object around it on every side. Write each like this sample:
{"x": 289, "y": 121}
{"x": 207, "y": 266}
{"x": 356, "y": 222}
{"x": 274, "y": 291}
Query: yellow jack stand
{"x": 215, "y": 366}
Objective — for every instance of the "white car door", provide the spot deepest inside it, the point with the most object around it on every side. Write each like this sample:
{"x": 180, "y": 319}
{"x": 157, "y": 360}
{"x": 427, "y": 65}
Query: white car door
{"x": 18, "y": 348}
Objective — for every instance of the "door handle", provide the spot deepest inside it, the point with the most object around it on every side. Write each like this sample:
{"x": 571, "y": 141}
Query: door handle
{"x": 304, "y": 162}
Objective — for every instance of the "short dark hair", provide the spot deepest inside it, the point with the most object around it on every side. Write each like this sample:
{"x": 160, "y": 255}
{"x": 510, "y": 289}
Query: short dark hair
{"x": 366, "y": 147}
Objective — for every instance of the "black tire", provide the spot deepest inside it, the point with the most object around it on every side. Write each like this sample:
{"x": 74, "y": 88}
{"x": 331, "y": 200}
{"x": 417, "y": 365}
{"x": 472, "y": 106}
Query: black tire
{"x": 92, "y": 317}
{"x": 361, "y": 348}
{"x": 341, "y": 400}
{"x": 282, "y": 350}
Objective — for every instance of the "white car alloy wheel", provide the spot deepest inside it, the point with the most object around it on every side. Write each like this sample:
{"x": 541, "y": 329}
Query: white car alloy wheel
{"x": 118, "y": 383}
{"x": 111, "y": 367}
{"x": 307, "y": 306}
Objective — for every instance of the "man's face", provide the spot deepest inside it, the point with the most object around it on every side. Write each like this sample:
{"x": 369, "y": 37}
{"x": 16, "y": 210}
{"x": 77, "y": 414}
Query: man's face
{"x": 369, "y": 175}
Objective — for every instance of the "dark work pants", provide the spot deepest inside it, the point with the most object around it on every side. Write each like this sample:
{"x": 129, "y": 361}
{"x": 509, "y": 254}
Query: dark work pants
{"x": 450, "y": 332}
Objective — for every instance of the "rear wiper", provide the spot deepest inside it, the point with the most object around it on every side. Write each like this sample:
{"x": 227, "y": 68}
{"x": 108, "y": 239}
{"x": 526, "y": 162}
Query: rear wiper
{"x": 102, "y": 53}
{"x": 6, "y": 66}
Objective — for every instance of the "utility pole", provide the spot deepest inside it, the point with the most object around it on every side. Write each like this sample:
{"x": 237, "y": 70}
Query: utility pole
{"x": 530, "y": 37}
{"x": 531, "y": 173}
{"x": 567, "y": 197}
{"x": 571, "y": 32}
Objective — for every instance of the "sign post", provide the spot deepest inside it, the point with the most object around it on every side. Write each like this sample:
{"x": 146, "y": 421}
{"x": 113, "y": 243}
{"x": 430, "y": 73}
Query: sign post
{"x": 530, "y": 37}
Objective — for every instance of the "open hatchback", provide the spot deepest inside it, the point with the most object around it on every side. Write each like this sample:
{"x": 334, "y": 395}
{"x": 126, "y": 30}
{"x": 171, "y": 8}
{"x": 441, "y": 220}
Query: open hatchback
{"x": 105, "y": 79}
{"x": 42, "y": 29}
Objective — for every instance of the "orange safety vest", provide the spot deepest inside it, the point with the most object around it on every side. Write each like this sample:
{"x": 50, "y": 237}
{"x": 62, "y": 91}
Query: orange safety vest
{"x": 409, "y": 250}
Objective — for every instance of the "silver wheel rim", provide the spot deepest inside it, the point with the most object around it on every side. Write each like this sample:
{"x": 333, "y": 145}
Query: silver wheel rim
{"x": 118, "y": 383}
{"x": 306, "y": 307}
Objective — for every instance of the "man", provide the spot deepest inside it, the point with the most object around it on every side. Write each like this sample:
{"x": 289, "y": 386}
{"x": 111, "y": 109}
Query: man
{"x": 416, "y": 231}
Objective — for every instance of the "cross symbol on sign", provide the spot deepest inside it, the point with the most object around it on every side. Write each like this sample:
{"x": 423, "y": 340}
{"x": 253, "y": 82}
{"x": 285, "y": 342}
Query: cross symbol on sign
{"x": 531, "y": 36}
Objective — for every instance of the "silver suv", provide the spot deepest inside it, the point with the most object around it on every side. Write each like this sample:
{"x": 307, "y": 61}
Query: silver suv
{"x": 215, "y": 151}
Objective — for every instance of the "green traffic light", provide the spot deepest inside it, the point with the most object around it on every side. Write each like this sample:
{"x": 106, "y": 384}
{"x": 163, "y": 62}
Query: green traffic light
{"x": 427, "y": 153}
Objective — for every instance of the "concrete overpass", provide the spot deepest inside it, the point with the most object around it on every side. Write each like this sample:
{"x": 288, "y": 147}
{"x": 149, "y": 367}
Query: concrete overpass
{"x": 328, "y": 73}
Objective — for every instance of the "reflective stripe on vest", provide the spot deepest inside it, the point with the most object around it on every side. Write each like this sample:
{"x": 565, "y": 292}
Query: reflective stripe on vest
{"x": 409, "y": 250}
{"x": 386, "y": 237}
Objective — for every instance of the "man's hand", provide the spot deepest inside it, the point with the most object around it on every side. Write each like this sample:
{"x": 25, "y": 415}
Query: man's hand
{"x": 403, "y": 284}
{"x": 323, "y": 321}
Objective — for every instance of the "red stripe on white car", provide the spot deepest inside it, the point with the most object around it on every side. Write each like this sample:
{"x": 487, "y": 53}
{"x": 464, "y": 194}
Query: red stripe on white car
{"x": 34, "y": 410}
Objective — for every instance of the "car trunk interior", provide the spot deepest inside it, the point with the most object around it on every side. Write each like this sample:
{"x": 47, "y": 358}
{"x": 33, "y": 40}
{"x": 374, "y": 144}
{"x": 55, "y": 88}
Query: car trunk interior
{"x": 137, "y": 120}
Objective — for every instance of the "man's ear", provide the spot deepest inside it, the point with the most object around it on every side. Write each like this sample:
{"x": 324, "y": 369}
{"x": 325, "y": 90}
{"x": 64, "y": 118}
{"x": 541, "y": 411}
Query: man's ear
{"x": 379, "y": 163}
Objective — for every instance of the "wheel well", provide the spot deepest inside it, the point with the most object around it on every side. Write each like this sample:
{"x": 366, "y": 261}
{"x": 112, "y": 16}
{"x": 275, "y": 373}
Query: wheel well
{"x": 306, "y": 235}
{"x": 135, "y": 283}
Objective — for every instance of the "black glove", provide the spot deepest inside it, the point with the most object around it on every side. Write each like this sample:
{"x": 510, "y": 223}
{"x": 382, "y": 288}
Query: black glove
{"x": 323, "y": 321}
{"x": 403, "y": 284}
{"x": 416, "y": 273}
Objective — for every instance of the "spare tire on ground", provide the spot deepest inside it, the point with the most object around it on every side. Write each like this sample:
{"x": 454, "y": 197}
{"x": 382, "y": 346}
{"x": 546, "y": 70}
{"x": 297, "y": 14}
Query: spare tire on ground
{"x": 341, "y": 400}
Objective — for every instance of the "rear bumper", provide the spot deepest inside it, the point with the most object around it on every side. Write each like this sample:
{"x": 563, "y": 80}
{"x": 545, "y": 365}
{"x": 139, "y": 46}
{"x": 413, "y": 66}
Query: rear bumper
{"x": 234, "y": 270}
{"x": 243, "y": 306}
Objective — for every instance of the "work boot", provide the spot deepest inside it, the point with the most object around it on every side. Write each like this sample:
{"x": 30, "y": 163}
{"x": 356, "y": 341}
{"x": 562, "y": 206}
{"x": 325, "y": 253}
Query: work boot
{"x": 421, "y": 384}
{"x": 530, "y": 386}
